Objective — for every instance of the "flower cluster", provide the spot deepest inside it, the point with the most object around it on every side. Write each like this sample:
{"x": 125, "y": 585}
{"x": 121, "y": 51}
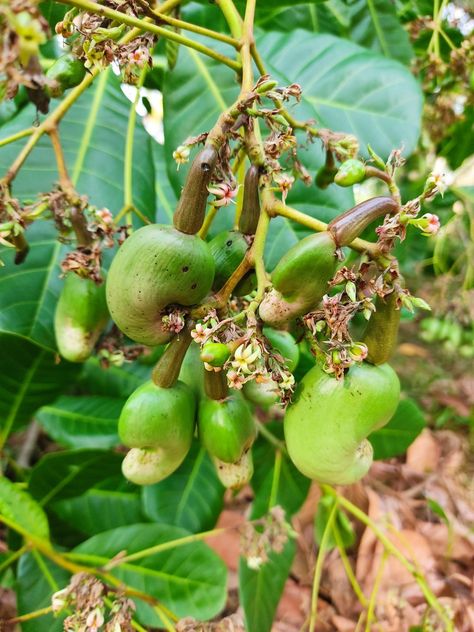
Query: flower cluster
{"x": 22, "y": 31}
{"x": 96, "y": 40}
{"x": 251, "y": 356}
{"x": 86, "y": 596}
{"x": 260, "y": 538}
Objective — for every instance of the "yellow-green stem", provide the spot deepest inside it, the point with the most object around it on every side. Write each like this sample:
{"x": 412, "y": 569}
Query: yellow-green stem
{"x": 275, "y": 480}
{"x": 392, "y": 549}
{"x": 14, "y": 137}
{"x": 348, "y": 568}
{"x": 374, "y": 593}
{"x": 148, "y": 27}
{"x": 318, "y": 569}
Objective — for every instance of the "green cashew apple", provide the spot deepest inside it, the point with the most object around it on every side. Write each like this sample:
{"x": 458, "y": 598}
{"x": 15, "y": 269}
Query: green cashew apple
{"x": 235, "y": 475}
{"x": 215, "y": 353}
{"x": 156, "y": 266}
{"x": 81, "y": 315}
{"x": 300, "y": 280}
{"x": 350, "y": 172}
{"x": 226, "y": 427}
{"x": 158, "y": 423}
{"x": 228, "y": 249}
{"x": 301, "y": 277}
{"x": 192, "y": 371}
{"x": 66, "y": 72}
{"x": 327, "y": 424}
{"x": 265, "y": 394}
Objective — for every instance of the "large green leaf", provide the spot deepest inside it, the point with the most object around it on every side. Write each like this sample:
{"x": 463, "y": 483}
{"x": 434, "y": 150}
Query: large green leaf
{"x": 93, "y": 135}
{"x": 108, "y": 506}
{"x": 37, "y": 580}
{"x": 82, "y": 422}
{"x": 260, "y": 590}
{"x": 345, "y": 88}
{"x": 30, "y": 379}
{"x": 118, "y": 382}
{"x": 69, "y": 474}
{"x": 292, "y": 485}
{"x": 348, "y": 88}
{"x": 404, "y": 427}
{"x": 29, "y": 292}
{"x": 190, "y": 580}
{"x": 191, "y": 498}
{"x": 19, "y": 507}
{"x": 374, "y": 24}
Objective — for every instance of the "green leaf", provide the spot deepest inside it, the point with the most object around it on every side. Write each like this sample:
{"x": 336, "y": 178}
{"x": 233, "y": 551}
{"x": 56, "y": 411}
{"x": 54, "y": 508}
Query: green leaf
{"x": 118, "y": 382}
{"x": 82, "y": 422}
{"x": 70, "y": 473}
{"x": 165, "y": 196}
{"x": 29, "y": 292}
{"x": 93, "y": 134}
{"x": 102, "y": 508}
{"x": 37, "y": 580}
{"x": 374, "y": 24}
{"x": 404, "y": 427}
{"x": 347, "y": 88}
{"x": 292, "y": 486}
{"x": 341, "y": 522}
{"x": 260, "y": 591}
{"x": 191, "y": 498}
{"x": 19, "y": 507}
{"x": 31, "y": 379}
{"x": 190, "y": 580}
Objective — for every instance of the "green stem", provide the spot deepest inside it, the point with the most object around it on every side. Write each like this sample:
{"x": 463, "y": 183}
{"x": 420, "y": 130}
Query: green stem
{"x": 30, "y": 615}
{"x": 374, "y": 593}
{"x": 165, "y": 620}
{"x": 275, "y": 480}
{"x": 279, "y": 208}
{"x": 129, "y": 142}
{"x": 21, "y": 134}
{"x": 318, "y": 569}
{"x": 348, "y": 568}
{"x": 148, "y": 27}
{"x": 193, "y": 28}
{"x": 232, "y": 17}
{"x": 392, "y": 549}
{"x": 270, "y": 437}
{"x": 13, "y": 557}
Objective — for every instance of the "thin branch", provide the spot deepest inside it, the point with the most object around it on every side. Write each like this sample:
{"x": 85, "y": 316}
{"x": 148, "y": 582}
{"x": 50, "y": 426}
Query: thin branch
{"x": 14, "y": 137}
{"x": 147, "y": 27}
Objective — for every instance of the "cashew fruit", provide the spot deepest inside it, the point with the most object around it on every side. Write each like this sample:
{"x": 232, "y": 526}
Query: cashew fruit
{"x": 81, "y": 315}
{"x": 155, "y": 267}
{"x": 235, "y": 475}
{"x": 192, "y": 371}
{"x": 66, "y": 72}
{"x": 215, "y": 353}
{"x": 327, "y": 424}
{"x": 350, "y": 172}
{"x": 300, "y": 278}
{"x": 226, "y": 427}
{"x": 158, "y": 423}
{"x": 228, "y": 249}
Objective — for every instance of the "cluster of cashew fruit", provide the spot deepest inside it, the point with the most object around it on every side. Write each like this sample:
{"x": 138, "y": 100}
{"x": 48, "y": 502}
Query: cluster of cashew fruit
{"x": 163, "y": 268}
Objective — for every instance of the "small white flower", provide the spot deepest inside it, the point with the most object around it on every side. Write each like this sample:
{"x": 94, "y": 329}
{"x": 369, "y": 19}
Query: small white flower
{"x": 199, "y": 333}
{"x": 244, "y": 357}
{"x": 181, "y": 155}
{"x": 95, "y": 620}
{"x": 235, "y": 380}
{"x": 254, "y": 562}
{"x": 59, "y": 600}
